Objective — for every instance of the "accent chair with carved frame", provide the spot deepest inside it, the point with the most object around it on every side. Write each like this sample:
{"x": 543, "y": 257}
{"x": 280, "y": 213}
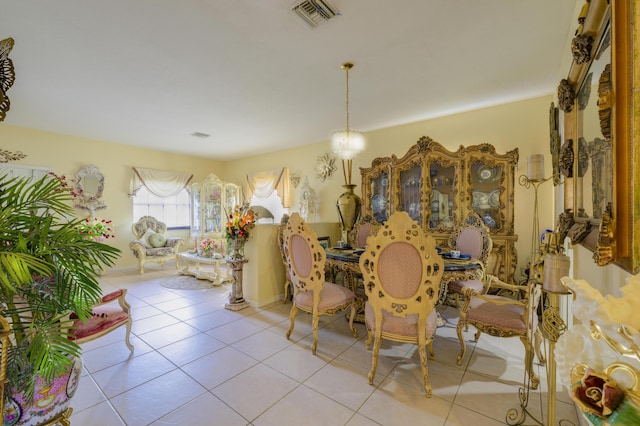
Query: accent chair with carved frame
{"x": 502, "y": 316}
{"x": 402, "y": 272}
{"x": 306, "y": 260}
{"x": 472, "y": 238}
{"x": 148, "y": 247}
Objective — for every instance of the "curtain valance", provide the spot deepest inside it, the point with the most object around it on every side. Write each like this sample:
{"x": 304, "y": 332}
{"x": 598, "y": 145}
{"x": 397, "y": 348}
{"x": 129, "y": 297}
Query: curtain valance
{"x": 162, "y": 183}
{"x": 262, "y": 184}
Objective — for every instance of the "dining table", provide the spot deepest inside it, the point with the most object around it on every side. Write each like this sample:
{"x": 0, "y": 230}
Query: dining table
{"x": 346, "y": 261}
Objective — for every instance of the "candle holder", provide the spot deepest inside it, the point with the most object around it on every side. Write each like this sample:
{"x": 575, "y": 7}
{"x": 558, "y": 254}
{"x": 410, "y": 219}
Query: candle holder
{"x": 547, "y": 265}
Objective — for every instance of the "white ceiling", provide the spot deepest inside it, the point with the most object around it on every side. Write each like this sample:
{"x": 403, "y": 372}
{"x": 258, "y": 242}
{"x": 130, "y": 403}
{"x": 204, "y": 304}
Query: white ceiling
{"x": 249, "y": 73}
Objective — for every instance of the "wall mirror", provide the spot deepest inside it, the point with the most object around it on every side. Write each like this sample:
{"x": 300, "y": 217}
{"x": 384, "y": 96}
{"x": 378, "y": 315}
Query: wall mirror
{"x": 89, "y": 186}
{"x": 596, "y": 100}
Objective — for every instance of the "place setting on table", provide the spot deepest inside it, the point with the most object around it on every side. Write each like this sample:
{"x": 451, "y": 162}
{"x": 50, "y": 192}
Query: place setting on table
{"x": 345, "y": 258}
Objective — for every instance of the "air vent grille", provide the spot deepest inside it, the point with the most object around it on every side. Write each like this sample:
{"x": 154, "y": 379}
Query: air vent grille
{"x": 314, "y": 12}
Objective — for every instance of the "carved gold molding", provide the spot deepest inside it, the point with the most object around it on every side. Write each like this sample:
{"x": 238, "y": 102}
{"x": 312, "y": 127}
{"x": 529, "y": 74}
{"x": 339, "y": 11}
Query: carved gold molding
{"x": 7, "y": 75}
{"x": 6, "y": 156}
{"x": 566, "y": 95}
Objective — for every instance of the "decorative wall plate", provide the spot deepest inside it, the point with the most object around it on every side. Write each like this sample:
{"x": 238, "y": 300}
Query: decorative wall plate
{"x": 486, "y": 174}
{"x": 378, "y": 203}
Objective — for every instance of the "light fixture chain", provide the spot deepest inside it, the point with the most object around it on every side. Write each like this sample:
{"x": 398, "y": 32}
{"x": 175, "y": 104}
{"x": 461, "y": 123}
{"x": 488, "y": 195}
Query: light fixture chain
{"x": 347, "y": 103}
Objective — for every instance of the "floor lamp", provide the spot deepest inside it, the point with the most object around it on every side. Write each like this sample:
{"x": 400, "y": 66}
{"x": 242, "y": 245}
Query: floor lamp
{"x": 547, "y": 265}
{"x": 533, "y": 179}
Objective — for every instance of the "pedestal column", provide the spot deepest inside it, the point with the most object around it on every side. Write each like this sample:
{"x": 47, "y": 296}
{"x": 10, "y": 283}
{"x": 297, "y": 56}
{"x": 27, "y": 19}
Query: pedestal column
{"x": 236, "y": 299}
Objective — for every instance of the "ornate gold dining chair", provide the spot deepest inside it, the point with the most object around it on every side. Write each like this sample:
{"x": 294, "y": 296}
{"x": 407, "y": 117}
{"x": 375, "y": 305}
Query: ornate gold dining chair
{"x": 473, "y": 239}
{"x": 287, "y": 277}
{"x": 311, "y": 293}
{"x": 502, "y": 316}
{"x": 361, "y": 231}
{"x": 402, "y": 271}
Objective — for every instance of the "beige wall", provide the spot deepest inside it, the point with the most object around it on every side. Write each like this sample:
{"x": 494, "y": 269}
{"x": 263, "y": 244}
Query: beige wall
{"x": 66, "y": 154}
{"x": 523, "y": 125}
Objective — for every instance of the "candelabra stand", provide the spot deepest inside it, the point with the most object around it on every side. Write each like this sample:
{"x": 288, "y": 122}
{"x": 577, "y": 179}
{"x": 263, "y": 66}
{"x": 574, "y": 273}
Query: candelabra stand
{"x": 547, "y": 266}
{"x": 517, "y": 416}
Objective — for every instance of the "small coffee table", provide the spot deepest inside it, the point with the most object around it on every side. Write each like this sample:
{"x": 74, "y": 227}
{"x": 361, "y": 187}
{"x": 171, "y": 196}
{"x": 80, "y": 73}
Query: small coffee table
{"x": 192, "y": 266}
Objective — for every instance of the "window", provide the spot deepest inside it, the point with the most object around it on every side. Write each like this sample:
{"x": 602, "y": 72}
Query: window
{"x": 173, "y": 210}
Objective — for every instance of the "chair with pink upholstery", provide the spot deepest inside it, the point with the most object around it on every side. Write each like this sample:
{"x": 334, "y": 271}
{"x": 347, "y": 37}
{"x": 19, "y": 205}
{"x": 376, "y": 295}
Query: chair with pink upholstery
{"x": 473, "y": 239}
{"x": 106, "y": 316}
{"x": 402, "y": 272}
{"x": 361, "y": 231}
{"x": 311, "y": 293}
{"x": 502, "y": 316}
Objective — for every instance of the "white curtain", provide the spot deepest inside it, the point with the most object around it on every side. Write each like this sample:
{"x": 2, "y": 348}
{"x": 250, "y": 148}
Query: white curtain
{"x": 262, "y": 184}
{"x": 162, "y": 183}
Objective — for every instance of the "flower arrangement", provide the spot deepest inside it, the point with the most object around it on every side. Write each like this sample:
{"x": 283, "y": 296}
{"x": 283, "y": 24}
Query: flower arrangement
{"x": 95, "y": 228}
{"x": 208, "y": 248}
{"x": 241, "y": 221}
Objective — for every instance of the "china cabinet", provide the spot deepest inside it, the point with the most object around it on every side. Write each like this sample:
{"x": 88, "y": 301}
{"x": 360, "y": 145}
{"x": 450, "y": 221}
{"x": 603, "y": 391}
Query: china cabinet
{"x": 439, "y": 188}
{"x": 211, "y": 201}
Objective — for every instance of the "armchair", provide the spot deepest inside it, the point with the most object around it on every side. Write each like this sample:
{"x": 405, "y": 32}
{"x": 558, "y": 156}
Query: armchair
{"x": 151, "y": 245}
{"x": 502, "y": 316}
{"x": 106, "y": 316}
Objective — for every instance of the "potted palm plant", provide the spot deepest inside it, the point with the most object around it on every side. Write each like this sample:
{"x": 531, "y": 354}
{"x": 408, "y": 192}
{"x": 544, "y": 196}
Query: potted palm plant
{"x": 47, "y": 270}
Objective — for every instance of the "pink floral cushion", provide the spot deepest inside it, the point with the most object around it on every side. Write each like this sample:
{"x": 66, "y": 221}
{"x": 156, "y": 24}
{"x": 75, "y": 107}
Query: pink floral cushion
{"x": 504, "y": 316}
{"x": 333, "y": 295}
{"x": 407, "y": 326}
{"x": 102, "y": 318}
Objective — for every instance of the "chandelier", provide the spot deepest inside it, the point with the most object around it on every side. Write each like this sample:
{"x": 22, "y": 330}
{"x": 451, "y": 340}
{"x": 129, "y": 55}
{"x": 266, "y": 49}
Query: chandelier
{"x": 347, "y": 143}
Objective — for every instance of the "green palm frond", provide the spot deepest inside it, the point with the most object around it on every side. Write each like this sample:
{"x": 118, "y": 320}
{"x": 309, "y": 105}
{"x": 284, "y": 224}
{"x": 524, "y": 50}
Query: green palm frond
{"x": 47, "y": 270}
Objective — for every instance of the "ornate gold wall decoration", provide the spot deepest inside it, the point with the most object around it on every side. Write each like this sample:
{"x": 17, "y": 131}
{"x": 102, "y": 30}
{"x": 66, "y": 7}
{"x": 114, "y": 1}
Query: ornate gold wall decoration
{"x": 581, "y": 48}
{"x": 604, "y": 102}
{"x": 566, "y": 95}
{"x": 554, "y": 143}
{"x": 579, "y": 231}
{"x": 6, "y": 156}
{"x": 7, "y": 75}
{"x": 605, "y": 250}
{"x": 567, "y": 158}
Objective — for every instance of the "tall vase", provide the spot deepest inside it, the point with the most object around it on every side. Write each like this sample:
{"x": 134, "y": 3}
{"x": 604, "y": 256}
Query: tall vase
{"x": 49, "y": 403}
{"x": 348, "y": 205}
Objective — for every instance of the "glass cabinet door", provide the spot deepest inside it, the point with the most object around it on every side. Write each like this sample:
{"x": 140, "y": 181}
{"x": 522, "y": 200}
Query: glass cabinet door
{"x": 376, "y": 191}
{"x": 410, "y": 194}
{"x": 212, "y": 205}
{"x": 485, "y": 193}
{"x": 441, "y": 213}
{"x": 232, "y": 198}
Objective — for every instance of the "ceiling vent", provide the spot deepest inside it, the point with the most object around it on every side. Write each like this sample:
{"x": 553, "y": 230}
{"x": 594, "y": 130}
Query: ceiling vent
{"x": 314, "y": 12}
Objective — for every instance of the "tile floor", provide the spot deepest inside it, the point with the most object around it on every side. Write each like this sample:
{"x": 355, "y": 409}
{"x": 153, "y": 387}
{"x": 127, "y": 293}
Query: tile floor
{"x": 196, "y": 363}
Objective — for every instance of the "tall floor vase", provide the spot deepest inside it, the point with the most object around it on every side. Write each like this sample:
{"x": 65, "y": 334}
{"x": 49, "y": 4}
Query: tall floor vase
{"x": 349, "y": 205}
{"x": 50, "y": 402}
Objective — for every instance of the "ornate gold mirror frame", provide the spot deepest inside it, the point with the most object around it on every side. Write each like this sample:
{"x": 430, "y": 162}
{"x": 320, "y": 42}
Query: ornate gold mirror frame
{"x": 601, "y": 191}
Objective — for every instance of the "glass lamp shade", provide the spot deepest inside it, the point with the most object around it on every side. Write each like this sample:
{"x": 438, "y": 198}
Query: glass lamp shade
{"x": 347, "y": 143}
